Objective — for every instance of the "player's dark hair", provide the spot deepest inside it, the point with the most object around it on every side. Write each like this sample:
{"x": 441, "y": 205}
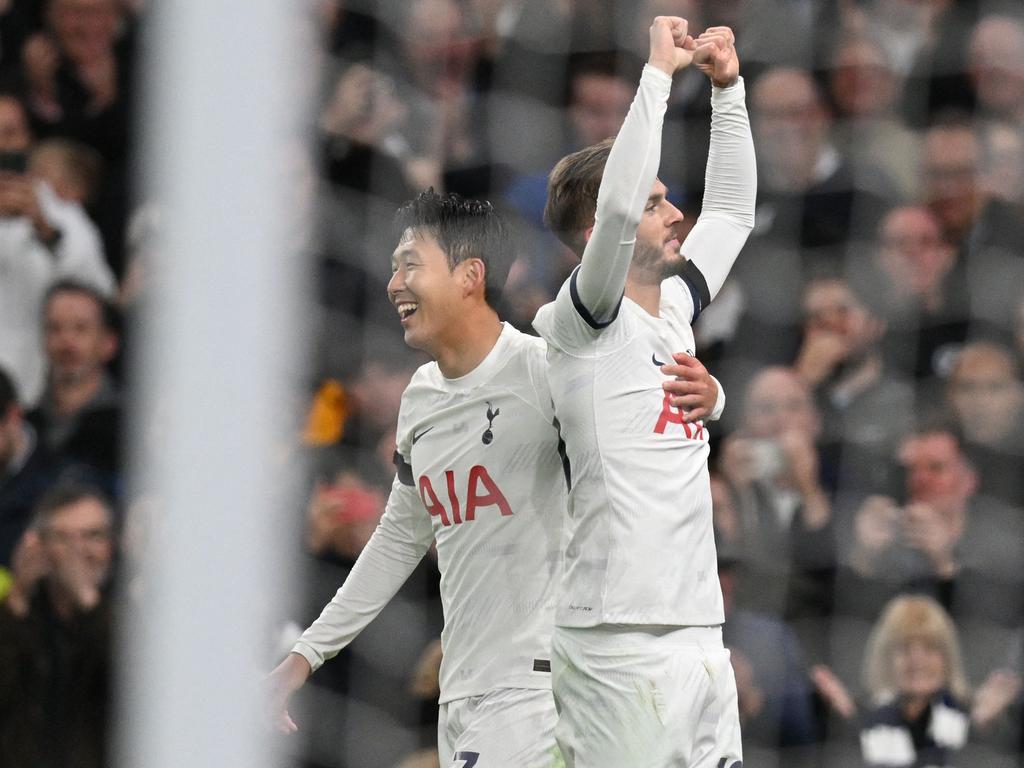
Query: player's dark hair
{"x": 465, "y": 229}
{"x": 572, "y": 194}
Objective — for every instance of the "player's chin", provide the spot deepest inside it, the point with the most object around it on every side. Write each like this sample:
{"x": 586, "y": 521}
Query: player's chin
{"x": 671, "y": 263}
{"x": 414, "y": 335}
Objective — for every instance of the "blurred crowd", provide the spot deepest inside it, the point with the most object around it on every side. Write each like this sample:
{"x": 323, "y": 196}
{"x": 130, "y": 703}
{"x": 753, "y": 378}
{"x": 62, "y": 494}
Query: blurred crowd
{"x": 868, "y": 472}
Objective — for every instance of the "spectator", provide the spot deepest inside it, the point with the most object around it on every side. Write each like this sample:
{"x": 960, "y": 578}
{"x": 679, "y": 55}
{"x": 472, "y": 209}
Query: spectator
{"x": 934, "y": 33}
{"x": 42, "y": 239}
{"x": 996, "y": 67}
{"x": 914, "y": 675}
{"x": 770, "y": 466}
{"x": 599, "y": 97}
{"x": 865, "y": 90}
{"x": 360, "y": 125}
{"x": 600, "y": 93}
{"x": 809, "y": 211}
{"x": 952, "y": 190}
{"x": 865, "y": 408}
{"x": 921, "y": 710}
{"x": 986, "y": 396}
{"x": 947, "y": 541}
{"x": 1002, "y": 162}
{"x": 71, "y": 169}
{"x": 80, "y": 74}
{"x": 995, "y": 259}
{"x": 925, "y": 312}
{"x": 445, "y": 132}
{"x": 25, "y": 471}
{"x": 79, "y": 417}
{"x": 775, "y": 703}
{"x": 55, "y": 636}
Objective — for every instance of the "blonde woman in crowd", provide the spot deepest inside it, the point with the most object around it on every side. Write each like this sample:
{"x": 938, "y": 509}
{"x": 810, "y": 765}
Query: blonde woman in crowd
{"x": 923, "y": 712}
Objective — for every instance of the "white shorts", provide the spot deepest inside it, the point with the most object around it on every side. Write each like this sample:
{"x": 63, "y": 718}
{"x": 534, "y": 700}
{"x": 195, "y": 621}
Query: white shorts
{"x": 657, "y": 697}
{"x": 505, "y": 728}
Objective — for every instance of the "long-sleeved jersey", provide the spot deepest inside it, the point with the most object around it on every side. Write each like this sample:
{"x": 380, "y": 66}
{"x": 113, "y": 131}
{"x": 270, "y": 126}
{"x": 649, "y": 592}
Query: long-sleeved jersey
{"x": 480, "y": 472}
{"x": 639, "y": 547}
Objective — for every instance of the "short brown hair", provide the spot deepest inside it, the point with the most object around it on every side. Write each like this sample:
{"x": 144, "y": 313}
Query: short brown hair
{"x": 572, "y": 193}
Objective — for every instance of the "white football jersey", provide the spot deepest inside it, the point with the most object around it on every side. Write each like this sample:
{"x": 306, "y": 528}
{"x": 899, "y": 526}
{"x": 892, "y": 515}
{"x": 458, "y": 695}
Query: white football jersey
{"x": 481, "y": 473}
{"x": 639, "y": 546}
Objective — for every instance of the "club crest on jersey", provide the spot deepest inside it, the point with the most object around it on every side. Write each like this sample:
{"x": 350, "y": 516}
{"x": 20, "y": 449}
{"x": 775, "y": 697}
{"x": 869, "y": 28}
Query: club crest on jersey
{"x": 488, "y": 434}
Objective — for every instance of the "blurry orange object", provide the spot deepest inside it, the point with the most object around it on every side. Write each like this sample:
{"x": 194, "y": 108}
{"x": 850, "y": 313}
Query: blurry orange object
{"x": 326, "y": 421}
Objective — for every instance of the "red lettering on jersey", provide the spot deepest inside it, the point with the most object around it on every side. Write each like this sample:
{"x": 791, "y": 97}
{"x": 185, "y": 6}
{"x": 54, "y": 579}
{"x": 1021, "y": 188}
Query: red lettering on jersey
{"x": 671, "y": 415}
{"x": 449, "y": 476}
{"x": 434, "y": 507}
{"x": 494, "y": 496}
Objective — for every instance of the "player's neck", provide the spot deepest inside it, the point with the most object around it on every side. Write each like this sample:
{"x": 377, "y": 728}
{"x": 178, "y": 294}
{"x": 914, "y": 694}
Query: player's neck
{"x": 647, "y": 295}
{"x": 471, "y": 342}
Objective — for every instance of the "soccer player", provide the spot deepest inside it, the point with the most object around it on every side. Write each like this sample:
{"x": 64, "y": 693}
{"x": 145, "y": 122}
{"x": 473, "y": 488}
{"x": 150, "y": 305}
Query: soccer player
{"x": 480, "y": 470}
{"x": 640, "y": 675}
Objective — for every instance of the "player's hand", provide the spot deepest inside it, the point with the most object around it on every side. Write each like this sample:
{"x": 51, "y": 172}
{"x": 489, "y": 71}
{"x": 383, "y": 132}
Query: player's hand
{"x": 715, "y": 56}
{"x": 692, "y": 389}
{"x": 671, "y": 47}
{"x": 279, "y": 685}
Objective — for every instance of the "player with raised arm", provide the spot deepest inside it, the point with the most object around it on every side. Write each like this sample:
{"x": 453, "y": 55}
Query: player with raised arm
{"x": 640, "y": 675}
{"x": 479, "y": 470}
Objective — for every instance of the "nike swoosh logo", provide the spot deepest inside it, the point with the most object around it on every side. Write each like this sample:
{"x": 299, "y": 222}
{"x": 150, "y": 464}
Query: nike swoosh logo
{"x": 415, "y": 438}
{"x": 656, "y": 361}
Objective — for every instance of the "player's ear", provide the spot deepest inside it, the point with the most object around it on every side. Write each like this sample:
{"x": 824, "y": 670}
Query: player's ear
{"x": 474, "y": 275}
{"x": 587, "y": 233}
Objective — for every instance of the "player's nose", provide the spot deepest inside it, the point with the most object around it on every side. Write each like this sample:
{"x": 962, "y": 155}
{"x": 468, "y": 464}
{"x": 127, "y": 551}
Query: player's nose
{"x": 395, "y": 284}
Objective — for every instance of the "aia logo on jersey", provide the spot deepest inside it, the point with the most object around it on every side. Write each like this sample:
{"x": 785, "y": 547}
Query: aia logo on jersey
{"x": 481, "y": 491}
{"x": 488, "y": 435}
{"x": 672, "y": 415}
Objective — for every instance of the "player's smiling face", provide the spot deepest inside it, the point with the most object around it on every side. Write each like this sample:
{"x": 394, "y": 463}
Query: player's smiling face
{"x": 657, "y": 239}
{"x": 423, "y": 289}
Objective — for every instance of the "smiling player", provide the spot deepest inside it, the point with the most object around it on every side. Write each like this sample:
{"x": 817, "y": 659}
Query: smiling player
{"x": 479, "y": 470}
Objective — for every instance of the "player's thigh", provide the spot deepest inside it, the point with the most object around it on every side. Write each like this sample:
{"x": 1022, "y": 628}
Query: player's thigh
{"x": 626, "y": 706}
{"x": 507, "y": 728}
{"x": 703, "y": 717}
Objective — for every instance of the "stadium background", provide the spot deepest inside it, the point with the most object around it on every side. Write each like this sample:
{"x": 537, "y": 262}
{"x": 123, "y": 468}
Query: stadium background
{"x": 859, "y": 110}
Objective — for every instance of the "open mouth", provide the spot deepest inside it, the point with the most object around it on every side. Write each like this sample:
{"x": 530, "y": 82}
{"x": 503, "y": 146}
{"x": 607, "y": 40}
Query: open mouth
{"x": 406, "y": 309}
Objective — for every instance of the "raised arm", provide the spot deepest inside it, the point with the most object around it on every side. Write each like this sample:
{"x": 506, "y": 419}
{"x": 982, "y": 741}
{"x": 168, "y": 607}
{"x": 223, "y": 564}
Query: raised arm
{"x": 730, "y": 187}
{"x": 629, "y": 175}
{"x": 393, "y": 552}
